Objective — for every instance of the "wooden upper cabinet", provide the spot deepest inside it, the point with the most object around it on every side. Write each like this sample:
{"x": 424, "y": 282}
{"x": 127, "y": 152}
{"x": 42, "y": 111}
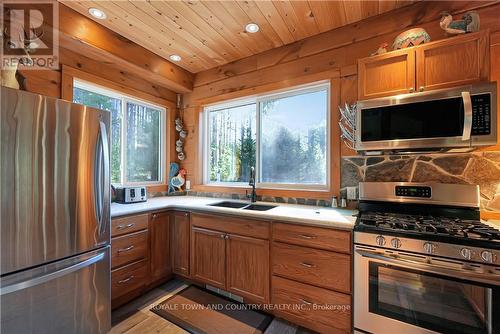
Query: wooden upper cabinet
{"x": 445, "y": 63}
{"x": 248, "y": 267}
{"x": 208, "y": 257}
{"x": 179, "y": 243}
{"x": 160, "y": 246}
{"x": 387, "y": 74}
{"x": 453, "y": 62}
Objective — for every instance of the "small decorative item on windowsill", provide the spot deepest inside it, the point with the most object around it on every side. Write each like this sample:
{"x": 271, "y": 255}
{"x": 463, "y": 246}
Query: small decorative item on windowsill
{"x": 347, "y": 125}
{"x": 179, "y": 180}
{"x": 174, "y": 170}
{"x": 469, "y": 23}
{"x": 412, "y": 37}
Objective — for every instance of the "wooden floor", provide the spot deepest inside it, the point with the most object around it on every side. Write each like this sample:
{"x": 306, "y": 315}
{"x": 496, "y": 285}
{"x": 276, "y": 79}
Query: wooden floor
{"x": 136, "y": 317}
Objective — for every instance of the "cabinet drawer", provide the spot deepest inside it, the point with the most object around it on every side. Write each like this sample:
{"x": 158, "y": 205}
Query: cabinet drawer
{"x": 334, "y": 240}
{"x": 316, "y": 308}
{"x": 129, "y": 224}
{"x": 313, "y": 266}
{"x": 246, "y": 227}
{"x": 129, "y": 248}
{"x": 128, "y": 278}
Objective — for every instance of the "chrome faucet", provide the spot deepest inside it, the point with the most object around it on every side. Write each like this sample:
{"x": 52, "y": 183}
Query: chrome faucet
{"x": 251, "y": 182}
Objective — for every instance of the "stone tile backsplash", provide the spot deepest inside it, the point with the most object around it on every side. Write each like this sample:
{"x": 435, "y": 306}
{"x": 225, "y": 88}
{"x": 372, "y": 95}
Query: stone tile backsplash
{"x": 481, "y": 168}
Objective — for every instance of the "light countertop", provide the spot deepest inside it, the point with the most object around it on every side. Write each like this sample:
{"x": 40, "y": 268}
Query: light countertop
{"x": 303, "y": 214}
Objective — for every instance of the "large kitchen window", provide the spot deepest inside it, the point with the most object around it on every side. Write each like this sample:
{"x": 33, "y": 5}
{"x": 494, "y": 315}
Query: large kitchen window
{"x": 285, "y": 136}
{"x": 137, "y": 133}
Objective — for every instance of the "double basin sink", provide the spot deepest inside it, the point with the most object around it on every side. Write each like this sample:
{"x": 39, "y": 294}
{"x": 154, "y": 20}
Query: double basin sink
{"x": 243, "y": 206}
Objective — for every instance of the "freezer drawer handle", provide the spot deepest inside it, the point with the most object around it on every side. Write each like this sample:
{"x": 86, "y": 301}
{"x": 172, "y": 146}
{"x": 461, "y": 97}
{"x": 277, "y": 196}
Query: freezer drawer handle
{"x": 48, "y": 277}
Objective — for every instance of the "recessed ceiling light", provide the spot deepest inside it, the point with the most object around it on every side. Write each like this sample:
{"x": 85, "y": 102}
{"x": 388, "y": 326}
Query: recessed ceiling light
{"x": 97, "y": 13}
{"x": 252, "y": 28}
{"x": 175, "y": 58}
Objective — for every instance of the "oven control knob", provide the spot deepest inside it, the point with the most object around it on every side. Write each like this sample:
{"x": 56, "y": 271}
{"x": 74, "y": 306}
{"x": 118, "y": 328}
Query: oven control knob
{"x": 466, "y": 253}
{"x": 396, "y": 243}
{"x": 380, "y": 240}
{"x": 429, "y": 248}
{"x": 487, "y": 256}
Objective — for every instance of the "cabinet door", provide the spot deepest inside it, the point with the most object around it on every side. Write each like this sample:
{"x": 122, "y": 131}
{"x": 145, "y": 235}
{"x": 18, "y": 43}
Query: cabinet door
{"x": 208, "y": 257}
{"x": 160, "y": 246}
{"x": 387, "y": 74}
{"x": 248, "y": 267}
{"x": 453, "y": 62}
{"x": 179, "y": 238}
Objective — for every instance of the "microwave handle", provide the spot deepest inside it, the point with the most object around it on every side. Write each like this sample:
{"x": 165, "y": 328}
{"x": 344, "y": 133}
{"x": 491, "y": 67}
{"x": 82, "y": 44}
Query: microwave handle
{"x": 467, "y": 116}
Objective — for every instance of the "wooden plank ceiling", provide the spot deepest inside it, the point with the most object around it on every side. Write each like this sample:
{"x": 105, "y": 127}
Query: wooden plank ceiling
{"x": 210, "y": 33}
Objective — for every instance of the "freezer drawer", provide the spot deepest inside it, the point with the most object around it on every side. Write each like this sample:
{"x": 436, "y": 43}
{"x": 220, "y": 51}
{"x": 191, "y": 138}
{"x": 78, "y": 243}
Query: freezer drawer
{"x": 67, "y": 296}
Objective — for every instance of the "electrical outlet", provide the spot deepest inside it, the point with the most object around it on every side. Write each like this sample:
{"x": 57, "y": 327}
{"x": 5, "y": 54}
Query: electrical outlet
{"x": 352, "y": 193}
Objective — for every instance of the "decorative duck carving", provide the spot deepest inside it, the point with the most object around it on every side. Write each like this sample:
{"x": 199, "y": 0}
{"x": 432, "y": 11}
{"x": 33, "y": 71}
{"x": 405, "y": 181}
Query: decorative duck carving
{"x": 469, "y": 23}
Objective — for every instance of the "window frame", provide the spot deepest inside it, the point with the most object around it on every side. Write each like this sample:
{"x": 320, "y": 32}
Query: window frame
{"x": 257, "y": 99}
{"x": 125, "y": 98}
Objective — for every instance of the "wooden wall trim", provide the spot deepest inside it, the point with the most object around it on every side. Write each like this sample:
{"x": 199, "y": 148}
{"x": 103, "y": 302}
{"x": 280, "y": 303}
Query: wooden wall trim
{"x": 69, "y": 74}
{"x": 81, "y": 34}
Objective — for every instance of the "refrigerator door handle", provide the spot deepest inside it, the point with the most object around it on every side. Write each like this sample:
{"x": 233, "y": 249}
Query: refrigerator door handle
{"x": 51, "y": 276}
{"x": 101, "y": 175}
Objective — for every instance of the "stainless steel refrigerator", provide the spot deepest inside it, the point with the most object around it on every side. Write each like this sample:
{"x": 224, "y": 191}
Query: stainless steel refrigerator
{"x": 55, "y": 216}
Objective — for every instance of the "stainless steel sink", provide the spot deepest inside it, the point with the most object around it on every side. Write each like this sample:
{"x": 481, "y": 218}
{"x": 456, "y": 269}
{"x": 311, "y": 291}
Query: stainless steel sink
{"x": 229, "y": 204}
{"x": 259, "y": 207}
{"x": 244, "y": 206}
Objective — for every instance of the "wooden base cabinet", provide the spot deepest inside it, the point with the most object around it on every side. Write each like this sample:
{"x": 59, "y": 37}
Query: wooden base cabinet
{"x": 180, "y": 231}
{"x": 229, "y": 261}
{"x": 208, "y": 257}
{"x": 248, "y": 267}
{"x": 160, "y": 265}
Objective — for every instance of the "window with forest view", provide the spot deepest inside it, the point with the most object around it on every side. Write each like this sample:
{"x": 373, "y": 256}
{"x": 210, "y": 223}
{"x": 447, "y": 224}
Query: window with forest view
{"x": 285, "y": 136}
{"x": 136, "y": 134}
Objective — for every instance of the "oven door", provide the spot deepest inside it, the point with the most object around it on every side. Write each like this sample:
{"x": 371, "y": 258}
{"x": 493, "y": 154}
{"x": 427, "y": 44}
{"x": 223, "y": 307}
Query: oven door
{"x": 406, "y": 293}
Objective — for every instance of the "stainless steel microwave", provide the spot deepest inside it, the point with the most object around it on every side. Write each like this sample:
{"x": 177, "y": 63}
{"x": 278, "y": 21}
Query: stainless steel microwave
{"x": 461, "y": 117}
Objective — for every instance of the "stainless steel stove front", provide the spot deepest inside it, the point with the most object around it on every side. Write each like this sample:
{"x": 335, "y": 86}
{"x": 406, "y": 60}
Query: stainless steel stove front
{"x": 397, "y": 291}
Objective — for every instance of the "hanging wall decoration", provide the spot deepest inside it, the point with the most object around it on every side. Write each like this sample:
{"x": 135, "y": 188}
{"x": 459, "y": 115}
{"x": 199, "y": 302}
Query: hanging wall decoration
{"x": 347, "y": 125}
{"x": 179, "y": 127}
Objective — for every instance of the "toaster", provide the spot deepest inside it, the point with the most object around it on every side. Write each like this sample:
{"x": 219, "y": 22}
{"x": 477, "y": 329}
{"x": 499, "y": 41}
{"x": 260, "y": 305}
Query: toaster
{"x": 127, "y": 195}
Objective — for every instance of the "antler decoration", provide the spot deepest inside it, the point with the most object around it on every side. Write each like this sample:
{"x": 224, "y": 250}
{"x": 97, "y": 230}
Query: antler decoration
{"x": 347, "y": 124}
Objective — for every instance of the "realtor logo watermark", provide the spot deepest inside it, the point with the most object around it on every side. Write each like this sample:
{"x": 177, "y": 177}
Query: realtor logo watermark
{"x": 30, "y": 34}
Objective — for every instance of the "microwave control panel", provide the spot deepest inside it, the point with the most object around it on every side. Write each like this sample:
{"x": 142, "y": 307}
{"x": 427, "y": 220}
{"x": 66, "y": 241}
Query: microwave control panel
{"x": 414, "y": 191}
{"x": 481, "y": 114}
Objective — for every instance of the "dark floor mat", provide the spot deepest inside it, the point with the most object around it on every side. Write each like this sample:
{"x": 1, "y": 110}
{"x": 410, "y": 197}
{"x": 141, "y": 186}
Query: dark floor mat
{"x": 202, "y": 312}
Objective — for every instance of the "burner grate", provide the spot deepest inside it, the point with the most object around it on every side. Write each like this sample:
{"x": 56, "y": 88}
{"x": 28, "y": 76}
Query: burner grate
{"x": 449, "y": 226}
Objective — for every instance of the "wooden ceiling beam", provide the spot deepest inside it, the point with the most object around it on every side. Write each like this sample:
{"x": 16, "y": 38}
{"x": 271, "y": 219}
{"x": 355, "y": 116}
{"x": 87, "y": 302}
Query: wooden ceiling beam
{"x": 82, "y": 35}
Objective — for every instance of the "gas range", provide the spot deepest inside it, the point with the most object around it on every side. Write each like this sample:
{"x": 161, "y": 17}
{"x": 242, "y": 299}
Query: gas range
{"x": 420, "y": 249}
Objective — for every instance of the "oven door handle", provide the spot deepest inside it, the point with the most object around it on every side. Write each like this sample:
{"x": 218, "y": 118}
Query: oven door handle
{"x": 468, "y": 274}
{"x": 467, "y": 116}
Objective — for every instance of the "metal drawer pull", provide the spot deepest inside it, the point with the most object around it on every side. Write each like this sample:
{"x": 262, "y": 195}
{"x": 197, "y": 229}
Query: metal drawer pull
{"x": 303, "y": 301}
{"x": 126, "y": 249}
{"x": 307, "y": 265}
{"x": 307, "y": 236}
{"x": 126, "y": 280}
{"x": 120, "y": 227}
